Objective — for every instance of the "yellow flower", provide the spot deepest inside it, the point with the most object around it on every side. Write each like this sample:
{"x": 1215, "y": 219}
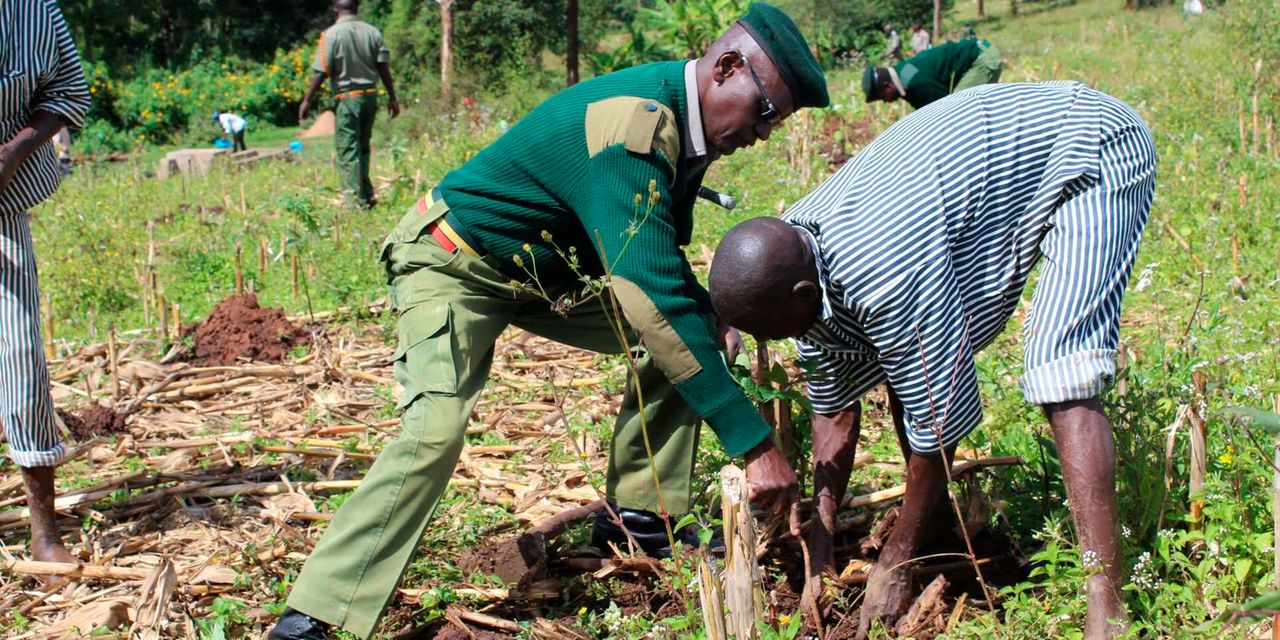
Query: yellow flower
{"x": 784, "y": 619}
{"x": 1225, "y": 458}
{"x": 526, "y": 247}
{"x": 582, "y": 611}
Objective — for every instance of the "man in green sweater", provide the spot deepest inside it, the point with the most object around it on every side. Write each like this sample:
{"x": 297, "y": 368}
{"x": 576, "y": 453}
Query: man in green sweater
{"x": 580, "y": 209}
{"x": 935, "y": 74}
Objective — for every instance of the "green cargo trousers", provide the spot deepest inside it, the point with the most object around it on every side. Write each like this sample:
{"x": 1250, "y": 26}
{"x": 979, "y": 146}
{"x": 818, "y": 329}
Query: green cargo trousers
{"x": 986, "y": 68}
{"x": 452, "y": 308}
{"x": 352, "y": 128}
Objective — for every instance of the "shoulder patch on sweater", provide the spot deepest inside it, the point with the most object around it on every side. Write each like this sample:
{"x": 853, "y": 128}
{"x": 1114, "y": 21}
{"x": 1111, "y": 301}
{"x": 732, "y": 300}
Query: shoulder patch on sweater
{"x": 641, "y": 125}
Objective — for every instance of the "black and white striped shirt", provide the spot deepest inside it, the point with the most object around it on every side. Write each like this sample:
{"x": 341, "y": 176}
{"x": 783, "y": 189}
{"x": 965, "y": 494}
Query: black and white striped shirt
{"x": 927, "y": 238}
{"x": 39, "y": 71}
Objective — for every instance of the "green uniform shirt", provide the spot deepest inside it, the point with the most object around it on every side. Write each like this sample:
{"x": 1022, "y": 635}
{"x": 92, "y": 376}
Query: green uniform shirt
{"x": 932, "y": 75}
{"x": 349, "y": 53}
{"x": 580, "y": 171}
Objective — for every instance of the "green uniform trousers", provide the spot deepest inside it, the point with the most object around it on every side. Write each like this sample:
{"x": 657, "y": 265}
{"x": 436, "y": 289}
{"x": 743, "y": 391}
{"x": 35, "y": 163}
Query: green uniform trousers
{"x": 985, "y": 70}
{"x": 352, "y": 128}
{"x": 452, "y": 308}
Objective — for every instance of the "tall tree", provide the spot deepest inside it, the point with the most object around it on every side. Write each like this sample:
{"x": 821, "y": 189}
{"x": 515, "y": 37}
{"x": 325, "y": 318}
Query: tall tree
{"x": 937, "y": 19}
{"x": 571, "y": 46}
{"x": 446, "y": 50}
{"x": 982, "y": 10}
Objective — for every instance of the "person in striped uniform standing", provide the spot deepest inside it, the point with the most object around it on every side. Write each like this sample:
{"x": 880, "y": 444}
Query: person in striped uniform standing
{"x": 900, "y": 267}
{"x": 42, "y": 89}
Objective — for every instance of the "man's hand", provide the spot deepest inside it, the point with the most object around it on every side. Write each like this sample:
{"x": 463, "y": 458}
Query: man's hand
{"x": 730, "y": 339}
{"x": 303, "y": 109}
{"x": 393, "y": 108}
{"x": 8, "y": 165}
{"x": 773, "y": 483}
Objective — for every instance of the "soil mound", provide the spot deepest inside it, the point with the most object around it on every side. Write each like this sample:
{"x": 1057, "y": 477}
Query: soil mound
{"x": 323, "y": 126}
{"x": 96, "y": 420}
{"x": 239, "y": 329}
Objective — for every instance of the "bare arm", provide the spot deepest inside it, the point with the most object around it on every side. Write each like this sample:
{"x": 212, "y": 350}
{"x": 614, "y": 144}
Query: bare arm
{"x": 835, "y": 440}
{"x": 38, "y": 131}
{"x": 384, "y": 72}
{"x": 317, "y": 79}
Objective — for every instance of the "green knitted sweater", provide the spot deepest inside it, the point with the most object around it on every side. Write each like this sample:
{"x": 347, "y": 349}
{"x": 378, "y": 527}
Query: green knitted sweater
{"x": 933, "y": 74}
{"x": 600, "y": 166}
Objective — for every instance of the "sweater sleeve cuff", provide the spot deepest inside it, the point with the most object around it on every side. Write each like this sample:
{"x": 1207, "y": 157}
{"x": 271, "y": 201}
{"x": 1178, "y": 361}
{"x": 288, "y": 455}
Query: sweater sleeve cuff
{"x": 738, "y": 425}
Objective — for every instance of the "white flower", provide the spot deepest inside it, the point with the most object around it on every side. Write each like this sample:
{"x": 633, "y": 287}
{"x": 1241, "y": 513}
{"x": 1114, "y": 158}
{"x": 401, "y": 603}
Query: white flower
{"x": 1124, "y": 530}
{"x": 1091, "y": 561}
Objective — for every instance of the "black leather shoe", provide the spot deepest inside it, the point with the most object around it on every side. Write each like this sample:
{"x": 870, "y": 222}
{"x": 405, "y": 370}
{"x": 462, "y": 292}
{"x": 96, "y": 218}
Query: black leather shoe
{"x": 296, "y": 625}
{"x": 647, "y": 527}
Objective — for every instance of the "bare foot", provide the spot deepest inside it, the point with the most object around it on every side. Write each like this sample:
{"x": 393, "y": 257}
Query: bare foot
{"x": 50, "y": 550}
{"x": 1106, "y": 618}
{"x": 887, "y": 597}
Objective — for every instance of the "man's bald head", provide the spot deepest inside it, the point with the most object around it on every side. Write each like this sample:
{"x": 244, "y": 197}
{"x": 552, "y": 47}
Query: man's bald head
{"x": 764, "y": 280}
{"x": 346, "y": 6}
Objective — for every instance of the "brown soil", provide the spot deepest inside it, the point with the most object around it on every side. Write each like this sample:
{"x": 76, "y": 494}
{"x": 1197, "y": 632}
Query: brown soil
{"x": 96, "y": 420}
{"x": 517, "y": 564}
{"x": 238, "y": 329}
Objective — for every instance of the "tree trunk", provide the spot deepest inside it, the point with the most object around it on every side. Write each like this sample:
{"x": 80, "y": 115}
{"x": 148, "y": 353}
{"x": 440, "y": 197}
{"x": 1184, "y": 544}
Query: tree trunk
{"x": 937, "y": 20}
{"x": 571, "y": 46}
{"x": 446, "y": 52}
{"x": 982, "y": 10}
{"x": 1013, "y": 8}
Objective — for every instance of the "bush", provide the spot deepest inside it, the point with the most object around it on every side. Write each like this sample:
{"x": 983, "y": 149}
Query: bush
{"x": 158, "y": 105}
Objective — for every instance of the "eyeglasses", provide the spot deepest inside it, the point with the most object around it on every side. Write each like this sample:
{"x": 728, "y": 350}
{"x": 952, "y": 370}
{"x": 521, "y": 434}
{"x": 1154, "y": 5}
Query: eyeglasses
{"x": 768, "y": 111}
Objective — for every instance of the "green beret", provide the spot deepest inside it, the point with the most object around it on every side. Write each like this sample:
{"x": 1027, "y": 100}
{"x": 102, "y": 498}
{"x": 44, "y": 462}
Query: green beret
{"x": 781, "y": 40}
{"x": 869, "y": 83}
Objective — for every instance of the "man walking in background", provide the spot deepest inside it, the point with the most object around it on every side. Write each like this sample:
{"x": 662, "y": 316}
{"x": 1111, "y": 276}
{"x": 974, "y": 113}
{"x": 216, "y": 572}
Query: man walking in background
{"x": 353, "y": 56}
{"x": 932, "y": 75}
{"x": 43, "y": 92}
{"x": 233, "y": 126}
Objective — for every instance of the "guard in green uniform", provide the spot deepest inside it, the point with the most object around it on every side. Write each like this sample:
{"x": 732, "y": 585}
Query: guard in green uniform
{"x": 935, "y": 74}
{"x": 352, "y": 55}
{"x": 601, "y": 177}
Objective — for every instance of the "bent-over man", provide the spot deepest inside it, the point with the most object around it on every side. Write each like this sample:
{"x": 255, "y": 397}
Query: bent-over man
{"x": 933, "y": 74}
{"x": 897, "y": 270}
{"x": 600, "y": 177}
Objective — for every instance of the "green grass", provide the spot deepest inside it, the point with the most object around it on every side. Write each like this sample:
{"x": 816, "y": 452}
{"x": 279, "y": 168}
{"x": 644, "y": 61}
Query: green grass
{"x": 1188, "y": 78}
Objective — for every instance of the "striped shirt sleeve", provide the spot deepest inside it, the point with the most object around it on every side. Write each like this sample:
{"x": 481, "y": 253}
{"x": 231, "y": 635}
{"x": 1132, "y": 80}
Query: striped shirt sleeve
{"x": 63, "y": 92}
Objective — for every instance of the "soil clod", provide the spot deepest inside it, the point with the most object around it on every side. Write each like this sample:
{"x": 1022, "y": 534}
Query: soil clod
{"x": 238, "y": 329}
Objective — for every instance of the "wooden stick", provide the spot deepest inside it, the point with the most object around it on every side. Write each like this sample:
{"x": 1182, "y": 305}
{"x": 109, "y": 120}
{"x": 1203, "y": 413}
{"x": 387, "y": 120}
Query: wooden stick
{"x": 162, "y": 307}
{"x": 1257, "y": 131}
{"x": 48, "y": 326}
{"x": 485, "y": 620}
{"x": 318, "y": 453}
{"x": 293, "y": 266}
{"x": 262, "y": 257}
{"x": 113, "y": 364}
{"x": 74, "y": 570}
{"x": 175, "y": 320}
{"x": 239, "y": 270}
{"x": 273, "y": 488}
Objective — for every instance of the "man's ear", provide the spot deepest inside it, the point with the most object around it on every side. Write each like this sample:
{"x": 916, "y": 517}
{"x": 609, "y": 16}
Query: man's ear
{"x": 805, "y": 290}
{"x": 726, "y": 64}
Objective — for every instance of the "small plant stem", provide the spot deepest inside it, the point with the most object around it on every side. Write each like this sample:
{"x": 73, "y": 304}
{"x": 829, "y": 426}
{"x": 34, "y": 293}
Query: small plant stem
{"x": 635, "y": 375}
{"x": 937, "y": 425}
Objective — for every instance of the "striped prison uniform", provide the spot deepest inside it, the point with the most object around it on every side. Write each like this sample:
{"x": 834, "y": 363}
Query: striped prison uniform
{"x": 927, "y": 238}
{"x": 39, "y": 71}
